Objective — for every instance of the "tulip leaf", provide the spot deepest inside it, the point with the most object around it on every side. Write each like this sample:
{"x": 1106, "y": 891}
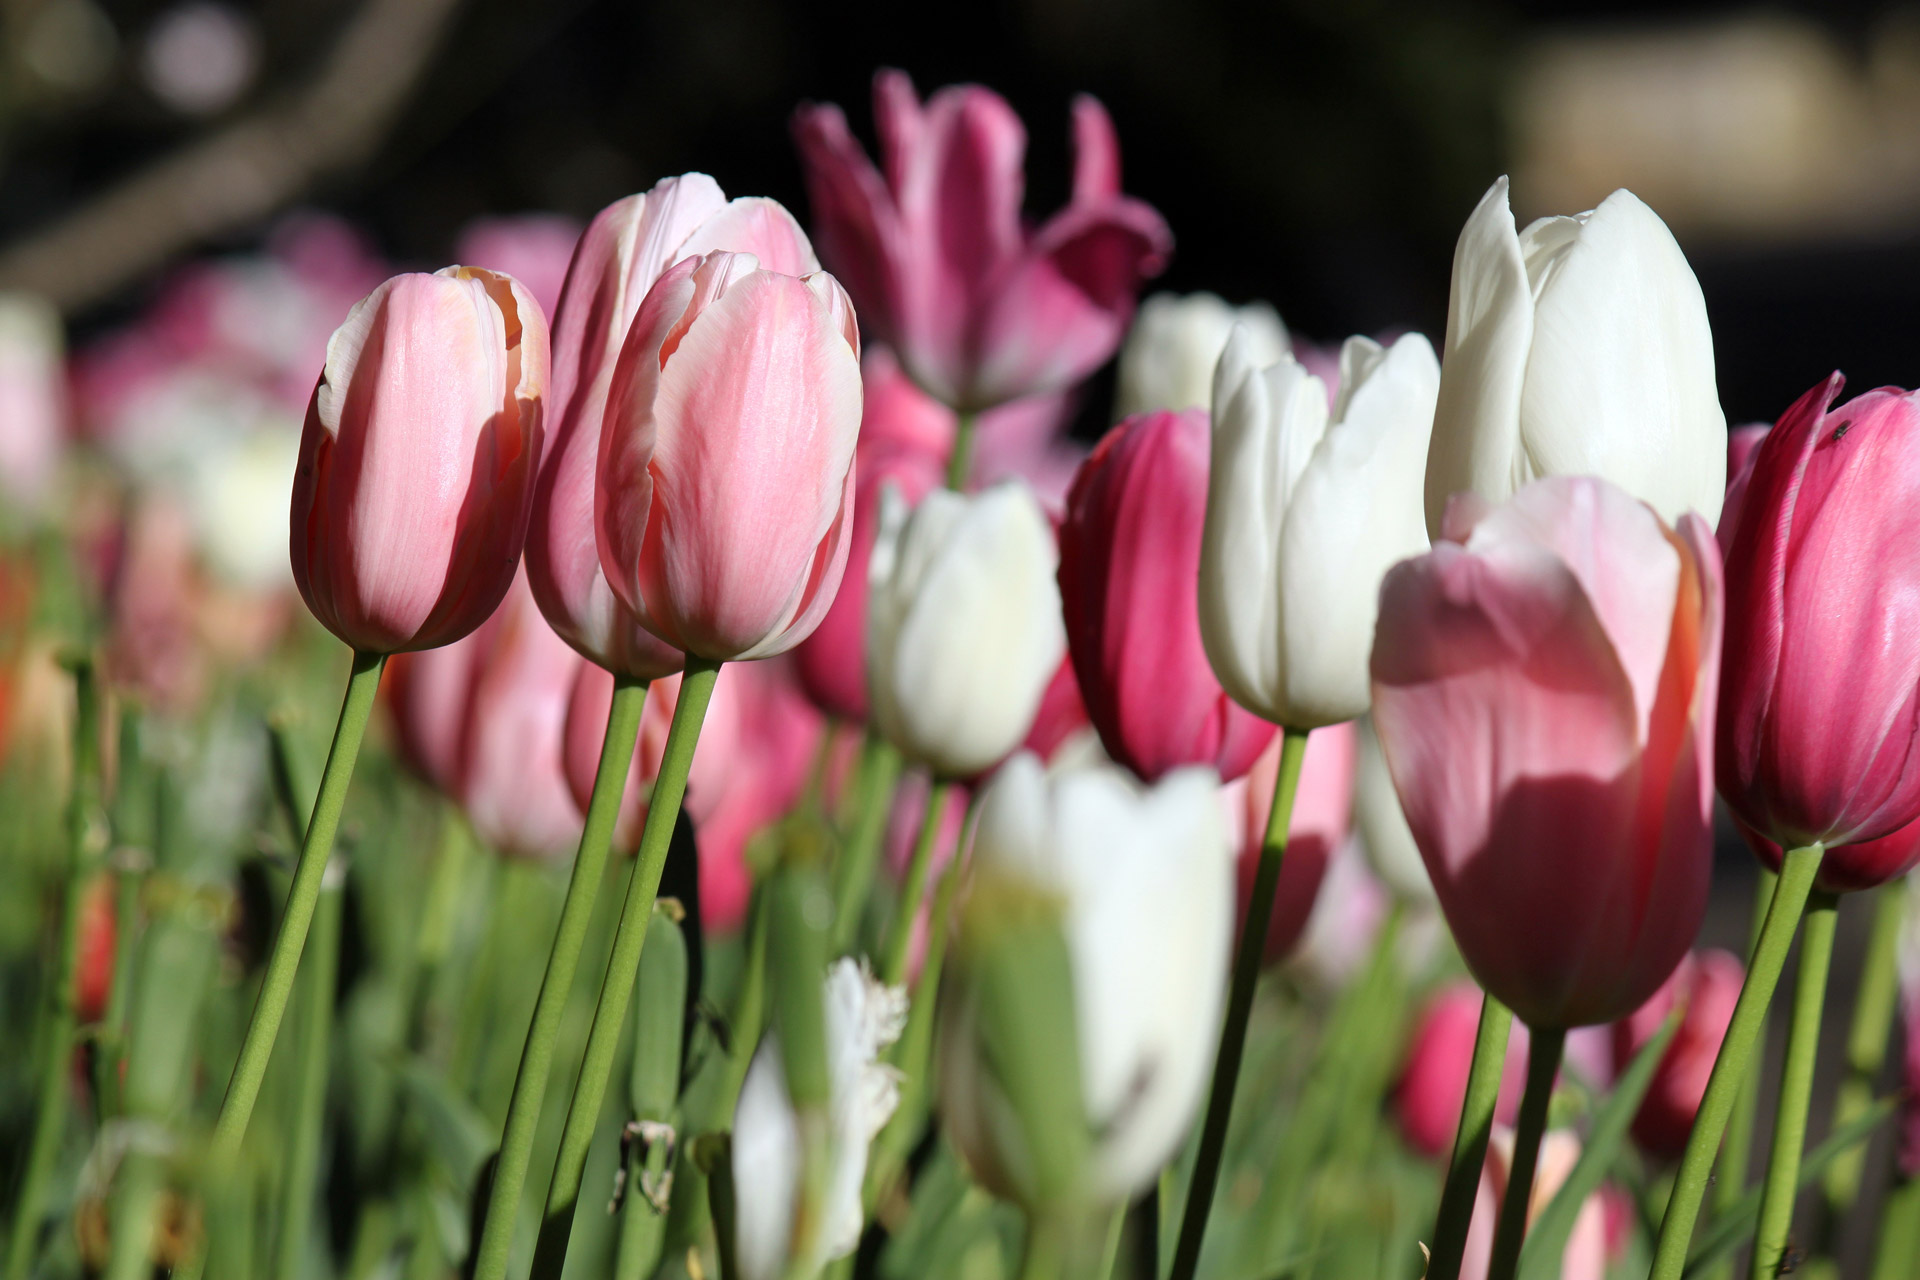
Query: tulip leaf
{"x": 1547, "y": 1240}
{"x": 456, "y": 1133}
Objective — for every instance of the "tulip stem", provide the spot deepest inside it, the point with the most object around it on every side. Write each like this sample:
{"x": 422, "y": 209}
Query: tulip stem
{"x": 1899, "y": 1241}
{"x": 853, "y": 873}
{"x": 1797, "y": 871}
{"x": 308, "y": 876}
{"x": 1043, "y": 1257}
{"x": 1796, "y": 1087}
{"x": 1543, "y": 1064}
{"x": 310, "y": 1089}
{"x": 1233, "y": 1033}
{"x": 1730, "y": 1180}
{"x": 1874, "y": 1002}
{"x": 616, "y": 989}
{"x": 960, "y": 461}
{"x": 576, "y": 913}
{"x": 1470, "y": 1140}
{"x": 893, "y": 961}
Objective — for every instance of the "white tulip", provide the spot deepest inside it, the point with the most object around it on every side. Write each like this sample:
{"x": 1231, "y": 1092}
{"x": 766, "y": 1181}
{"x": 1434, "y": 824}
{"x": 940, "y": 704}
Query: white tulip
{"x": 1578, "y": 346}
{"x": 1146, "y": 879}
{"x": 964, "y": 629}
{"x": 1305, "y": 514}
{"x": 1382, "y": 824}
{"x": 864, "y": 1016}
{"x": 1168, "y": 359}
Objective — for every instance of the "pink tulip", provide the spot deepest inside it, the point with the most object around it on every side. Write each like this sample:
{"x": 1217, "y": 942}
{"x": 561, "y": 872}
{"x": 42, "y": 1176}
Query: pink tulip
{"x": 1585, "y": 1257}
{"x": 1129, "y": 581}
{"x": 1543, "y": 689}
{"x": 533, "y": 248}
{"x": 1743, "y": 445}
{"x": 723, "y": 508}
{"x": 587, "y": 709}
{"x": 981, "y": 310}
{"x": 1433, "y": 1081}
{"x": 1822, "y": 692}
{"x": 1862, "y": 865}
{"x": 1705, "y": 985}
{"x": 1322, "y": 808}
{"x": 418, "y": 458}
{"x": 618, "y": 259}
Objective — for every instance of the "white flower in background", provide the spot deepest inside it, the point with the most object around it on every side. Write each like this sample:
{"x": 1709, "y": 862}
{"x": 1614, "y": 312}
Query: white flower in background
{"x": 238, "y": 500}
{"x": 964, "y": 630}
{"x": 1578, "y": 346}
{"x": 1382, "y": 825}
{"x": 1168, "y": 359}
{"x": 1306, "y": 511}
{"x": 864, "y": 1016}
{"x": 1145, "y": 878}
{"x": 33, "y": 398}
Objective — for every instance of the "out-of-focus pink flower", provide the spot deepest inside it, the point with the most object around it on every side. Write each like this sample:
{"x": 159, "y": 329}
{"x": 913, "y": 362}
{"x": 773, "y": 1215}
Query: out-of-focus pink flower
{"x": 93, "y": 977}
{"x": 981, "y": 310}
{"x": 1586, "y": 1254}
{"x": 1433, "y": 1080}
{"x": 587, "y": 710}
{"x": 724, "y": 501}
{"x": 484, "y": 720}
{"x": 1543, "y": 689}
{"x": 620, "y": 256}
{"x": 151, "y": 644}
{"x": 1822, "y": 692}
{"x": 533, "y": 248}
{"x": 1129, "y": 582}
{"x": 33, "y": 400}
{"x": 418, "y": 459}
{"x": 1322, "y": 808}
{"x": 1705, "y": 985}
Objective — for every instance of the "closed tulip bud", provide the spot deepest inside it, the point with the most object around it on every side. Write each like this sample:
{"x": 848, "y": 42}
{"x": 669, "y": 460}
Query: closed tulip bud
{"x": 1306, "y": 509}
{"x": 1544, "y": 683}
{"x": 618, "y": 259}
{"x": 1384, "y": 834}
{"x": 1578, "y": 346}
{"x": 1821, "y": 700}
{"x": 1129, "y": 556}
{"x": 963, "y": 625}
{"x": 1168, "y": 359}
{"x": 1704, "y": 987}
{"x": 1141, "y": 880}
{"x": 1322, "y": 806}
{"x": 418, "y": 458}
{"x": 863, "y": 1017}
{"x": 724, "y": 501}
{"x": 1743, "y": 446}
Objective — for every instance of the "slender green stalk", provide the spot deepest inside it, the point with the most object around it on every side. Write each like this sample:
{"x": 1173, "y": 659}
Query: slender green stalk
{"x": 1470, "y": 1140}
{"x": 1233, "y": 1034}
{"x": 1736, "y": 1153}
{"x": 1796, "y": 1087}
{"x": 1110, "y": 1252}
{"x": 576, "y": 913}
{"x": 960, "y": 461}
{"x": 86, "y": 842}
{"x": 853, "y": 873}
{"x": 277, "y": 987}
{"x": 302, "y": 1169}
{"x": 1874, "y": 1002}
{"x": 1044, "y": 1256}
{"x": 893, "y": 958}
{"x": 749, "y": 1012}
{"x": 1899, "y": 1242}
{"x": 1543, "y": 1064}
{"x": 1797, "y": 871}
{"x": 629, "y": 940}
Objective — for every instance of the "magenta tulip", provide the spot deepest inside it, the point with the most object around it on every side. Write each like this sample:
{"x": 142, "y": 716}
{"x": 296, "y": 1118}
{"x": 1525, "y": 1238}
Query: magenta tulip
{"x": 418, "y": 459}
{"x": 981, "y": 309}
{"x": 1433, "y": 1079}
{"x": 618, "y": 259}
{"x": 1850, "y": 866}
{"x": 1543, "y": 688}
{"x": 1821, "y": 702}
{"x": 723, "y": 508}
{"x": 1705, "y": 986}
{"x": 1129, "y": 581}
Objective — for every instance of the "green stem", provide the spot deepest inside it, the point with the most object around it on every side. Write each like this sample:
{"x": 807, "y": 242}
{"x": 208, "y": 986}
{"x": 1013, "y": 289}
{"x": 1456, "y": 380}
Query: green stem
{"x": 302, "y": 898}
{"x": 1233, "y": 1034}
{"x": 1110, "y": 1254}
{"x": 960, "y": 461}
{"x": 1043, "y": 1257}
{"x": 893, "y": 962}
{"x": 1796, "y": 1087}
{"x": 616, "y": 988}
{"x": 749, "y": 1013}
{"x": 58, "y": 1010}
{"x": 1730, "y": 1181}
{"x": 1874, "y": 1003}
{"x": 576, "y": 913}
{"x": 1470, "y": 1140}
{"x": 853, "y": 874}
{"x": 1797, "y": 871}
{"x": 317, "y": 981}
{"x": 1899, "y": 1242}
{"x": 1543, "y": 1064}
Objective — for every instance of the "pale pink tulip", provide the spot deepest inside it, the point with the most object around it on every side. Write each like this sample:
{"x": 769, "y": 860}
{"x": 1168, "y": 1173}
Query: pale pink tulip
{"x": 981, "y": 309}
{"x": 418, "y": 459}
{"x": 723, "y": 508}
{"x": 1322, "y": 809}
{"x": 1586, "y": 1253}
{"x": 1543, "y": 688}
{"x": 1705, "y": 986}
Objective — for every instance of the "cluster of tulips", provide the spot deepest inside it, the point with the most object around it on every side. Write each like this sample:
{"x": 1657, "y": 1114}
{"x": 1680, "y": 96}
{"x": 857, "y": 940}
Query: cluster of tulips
{"x": 1099, "y": 719}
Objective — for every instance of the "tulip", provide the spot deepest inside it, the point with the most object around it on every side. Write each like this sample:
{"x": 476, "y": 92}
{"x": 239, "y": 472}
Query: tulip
{"x": 1822, "y": 691}
{"x": 1586, "y": 1252}
{"x": 1705, "y": 987}
{"x": 723, "y": 504}
{"x": 1142, "y": 878}
{"x": 533, "y": 248}
{"x": 1305, "y": 511}
{"x": 980, "y": 309}
{"x": 33, "y": 399}
{"x": 1316, "y": 828}
{"x": 1384, "y": 834}
{"x": 1433, "y": 1081}
{"x": 1129, "y": 554}
{"x": 863, "y": 1017}
{"x": 618, "y": 259}
{"x": 963, "y": 625}
{"x": 1544, "y": 685}
{"x": 1578, "y": 346}
{"x": 1168, "y": 359}
{"x": 417, "y": 460}
{"x": 1743, "y": 445}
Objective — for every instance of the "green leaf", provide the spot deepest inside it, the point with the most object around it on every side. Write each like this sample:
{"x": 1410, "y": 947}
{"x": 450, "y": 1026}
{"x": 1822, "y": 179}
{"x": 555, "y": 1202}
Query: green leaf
{"x": 457, "y": 1134}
